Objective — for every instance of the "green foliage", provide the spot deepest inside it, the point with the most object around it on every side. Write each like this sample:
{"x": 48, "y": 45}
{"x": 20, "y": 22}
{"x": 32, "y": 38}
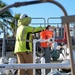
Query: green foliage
{"x": 17, "y": 16}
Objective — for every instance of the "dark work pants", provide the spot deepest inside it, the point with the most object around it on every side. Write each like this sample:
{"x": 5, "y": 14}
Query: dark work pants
{"x": 47, "y": 58}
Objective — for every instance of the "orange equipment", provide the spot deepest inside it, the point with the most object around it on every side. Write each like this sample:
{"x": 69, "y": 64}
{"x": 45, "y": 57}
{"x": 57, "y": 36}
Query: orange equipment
{"x": 46, "y": 34}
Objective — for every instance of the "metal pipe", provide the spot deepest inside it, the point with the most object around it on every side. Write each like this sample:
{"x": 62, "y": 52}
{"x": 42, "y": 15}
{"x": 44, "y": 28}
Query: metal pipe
{"x": 68, "y": 36}
{"x": 69, "y": 41}
{"x": 36, "y": 66}
{"x": 34, "y": 54}
{"x": 17, "y": 4}
{"x": 4, "y": 43}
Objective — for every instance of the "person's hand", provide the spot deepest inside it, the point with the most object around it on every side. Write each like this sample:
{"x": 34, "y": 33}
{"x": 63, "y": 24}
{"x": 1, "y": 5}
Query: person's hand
{"x": 33, "y": 36}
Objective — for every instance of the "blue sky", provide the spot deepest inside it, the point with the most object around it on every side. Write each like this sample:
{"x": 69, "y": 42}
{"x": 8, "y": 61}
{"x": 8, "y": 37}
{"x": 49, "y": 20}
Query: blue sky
{"x": 45, "y": 9}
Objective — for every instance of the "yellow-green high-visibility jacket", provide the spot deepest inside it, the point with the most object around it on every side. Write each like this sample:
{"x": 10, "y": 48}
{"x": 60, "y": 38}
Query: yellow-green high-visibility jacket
{"x": 21, "y": 37}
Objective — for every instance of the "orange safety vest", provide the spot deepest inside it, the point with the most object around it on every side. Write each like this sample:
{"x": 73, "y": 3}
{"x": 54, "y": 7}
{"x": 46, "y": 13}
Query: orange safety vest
{"x": 46, "y": 34}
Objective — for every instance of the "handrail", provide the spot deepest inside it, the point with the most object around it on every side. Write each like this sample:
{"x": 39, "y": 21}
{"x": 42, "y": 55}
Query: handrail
{"x": 36, "y": 66}
{"x": 18, "y": 4}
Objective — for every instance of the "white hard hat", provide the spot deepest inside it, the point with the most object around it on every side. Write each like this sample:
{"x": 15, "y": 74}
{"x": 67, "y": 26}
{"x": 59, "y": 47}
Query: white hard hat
{"x": 23, "y": 16}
